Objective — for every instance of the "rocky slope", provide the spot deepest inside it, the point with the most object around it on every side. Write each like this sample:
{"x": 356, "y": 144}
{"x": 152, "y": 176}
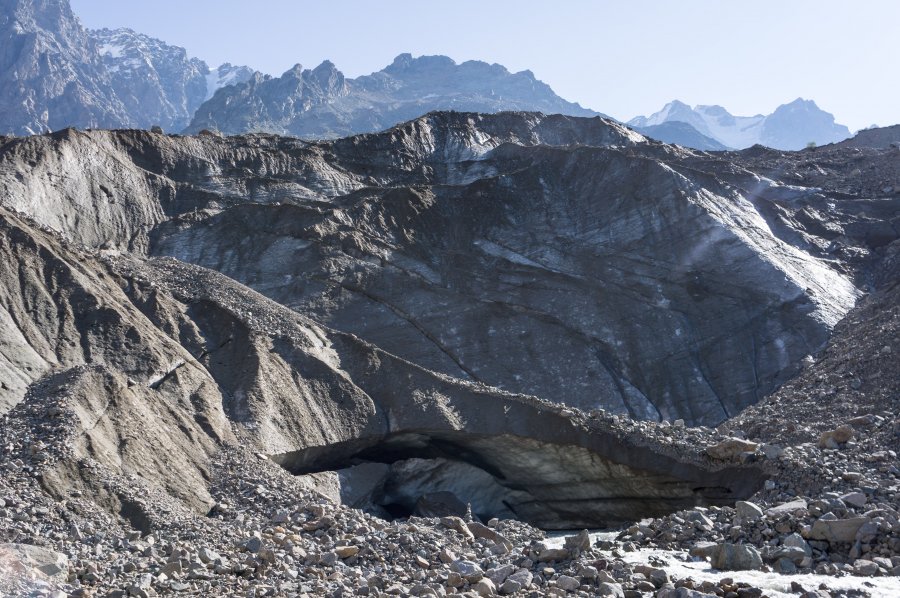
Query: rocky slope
{"x": 681, "y": 133}
{"x": 209, "y": 343}
{"x": 790, "y": 127}
{"x": 156, "y": 383}
{"x": 389, "y": 237}
{"x": 322, "y": 103}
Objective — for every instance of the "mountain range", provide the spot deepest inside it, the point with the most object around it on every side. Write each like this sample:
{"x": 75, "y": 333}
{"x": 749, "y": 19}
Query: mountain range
{"x": 322, "y": 103}
{"x": 791, "y": 126}
{"x": 54, "y": 73}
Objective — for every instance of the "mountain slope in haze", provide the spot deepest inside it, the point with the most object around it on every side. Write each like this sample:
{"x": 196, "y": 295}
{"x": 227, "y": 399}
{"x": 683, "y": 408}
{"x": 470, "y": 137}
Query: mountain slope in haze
{"x": 51, "y": 74}
{"x": 681, "y": 133}
{"x": 322, "y": 103}
{"x": 874, "y": 137}
{"x": 791, "y": 127}
{"x": 159, "y": 83}
{"x": 55, "y": 74}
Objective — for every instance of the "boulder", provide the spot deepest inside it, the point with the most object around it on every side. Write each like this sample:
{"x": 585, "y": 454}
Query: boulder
{"x": 796, "y": 541}
{"x": 735, "y": 557}
{"x": 580, "y": 542}
{"x": 28, "y": 560}
{"x": 855, "y": 499}
{"x": 457, "y": 523}
{"x": 703, "y": 550}
{"x": 836, "y": 530}
{"x": 548, "y": 555}
{"x": 479, "y": 530}
{"x": 485, "y": 587}
{"x": 468, "y": 570}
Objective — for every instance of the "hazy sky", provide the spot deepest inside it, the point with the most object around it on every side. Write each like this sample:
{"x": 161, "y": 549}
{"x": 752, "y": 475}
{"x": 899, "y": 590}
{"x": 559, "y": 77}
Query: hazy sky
{"x": 621, "y": 57}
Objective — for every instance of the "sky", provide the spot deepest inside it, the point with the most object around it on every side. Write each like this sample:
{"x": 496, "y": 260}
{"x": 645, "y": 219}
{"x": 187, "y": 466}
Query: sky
{"x": 620, "y": 57}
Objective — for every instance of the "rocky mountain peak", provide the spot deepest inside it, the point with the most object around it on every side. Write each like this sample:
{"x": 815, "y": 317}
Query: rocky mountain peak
{"x": 798, "y": 123}
{"x": 50, "y": 15}
{"x": 405, "y": 63}
{"x": 329, "y": 79}
{"x": 295, "y": 72}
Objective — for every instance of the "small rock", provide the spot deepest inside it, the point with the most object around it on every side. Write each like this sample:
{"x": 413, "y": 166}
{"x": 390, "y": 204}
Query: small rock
{"x": 835, "y": 438}
{"x": 748, "y": 511}
{"x": 731, "y": 448}
{"x": 855, "y": 499}
{"x": 865, "y": 567}
{"x": 345, "y": 552}
{"x": 569, "y": 584}
{"x": 485, "y": 587}
{"x": 610, "y": 589}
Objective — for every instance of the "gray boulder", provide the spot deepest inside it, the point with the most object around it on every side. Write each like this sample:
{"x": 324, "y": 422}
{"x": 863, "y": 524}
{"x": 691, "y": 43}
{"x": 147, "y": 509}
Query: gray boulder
{"x": 735, "y": 557}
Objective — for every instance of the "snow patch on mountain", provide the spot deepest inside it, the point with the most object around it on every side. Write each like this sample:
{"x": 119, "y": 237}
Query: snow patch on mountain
{"x": 227, "y": 74}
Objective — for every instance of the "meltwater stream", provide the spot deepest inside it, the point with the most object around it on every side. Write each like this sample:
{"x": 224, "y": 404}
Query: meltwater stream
{"x": 680, "y": 565}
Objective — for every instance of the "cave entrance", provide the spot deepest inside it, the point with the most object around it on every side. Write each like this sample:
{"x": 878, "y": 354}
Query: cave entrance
{"x": 549, "y": 485}
{"x": 432, "y": 487}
